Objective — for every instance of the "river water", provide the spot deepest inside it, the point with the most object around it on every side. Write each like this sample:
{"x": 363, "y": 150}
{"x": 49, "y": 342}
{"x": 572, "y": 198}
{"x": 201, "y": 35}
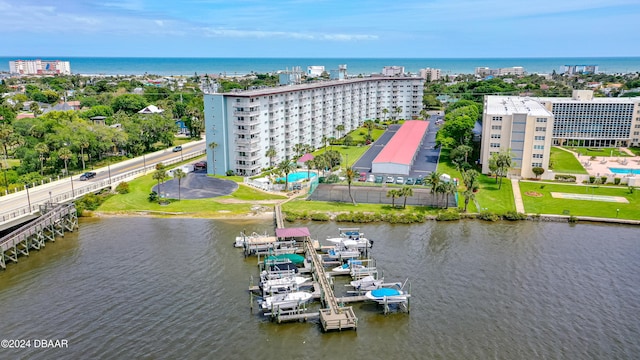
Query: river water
{"x": 124, "y": 288}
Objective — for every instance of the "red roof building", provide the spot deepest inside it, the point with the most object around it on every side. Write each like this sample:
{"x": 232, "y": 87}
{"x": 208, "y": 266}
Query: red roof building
{"x": 398, "y": 155}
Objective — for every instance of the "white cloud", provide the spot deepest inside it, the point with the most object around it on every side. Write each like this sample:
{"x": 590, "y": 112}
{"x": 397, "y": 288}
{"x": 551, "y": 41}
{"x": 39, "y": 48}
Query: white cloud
{"x": 284, "y": 34}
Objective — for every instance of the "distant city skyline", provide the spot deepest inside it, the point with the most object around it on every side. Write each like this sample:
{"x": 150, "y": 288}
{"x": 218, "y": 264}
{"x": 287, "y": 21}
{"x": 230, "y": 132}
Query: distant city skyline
{"x": 320, "y": 28}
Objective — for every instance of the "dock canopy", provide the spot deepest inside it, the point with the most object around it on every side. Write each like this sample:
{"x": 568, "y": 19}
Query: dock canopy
{"x": 292, "y": 232}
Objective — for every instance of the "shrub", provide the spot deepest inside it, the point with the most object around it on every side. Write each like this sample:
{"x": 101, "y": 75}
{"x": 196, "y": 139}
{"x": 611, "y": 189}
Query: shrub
{"x": 230, "y": 172}
{"x": 319, "y": 217}
{"x": 565, "y": 178}
{"x": 488, "y": 216}
{"x": 153, "y": 196}
{"x": 573, "y": 219}
{"x": 592, "y": 179}
{"x": 616, "y": 181}
{"x": 448, "y": 215}
{"x": 123, "y": 188}
{"x": 603, "y": 179}
{"x": 512, "y": 216}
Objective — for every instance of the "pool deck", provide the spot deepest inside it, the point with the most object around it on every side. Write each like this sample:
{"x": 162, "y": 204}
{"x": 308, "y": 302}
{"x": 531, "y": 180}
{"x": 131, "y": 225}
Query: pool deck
{"x": 600, "y": 166}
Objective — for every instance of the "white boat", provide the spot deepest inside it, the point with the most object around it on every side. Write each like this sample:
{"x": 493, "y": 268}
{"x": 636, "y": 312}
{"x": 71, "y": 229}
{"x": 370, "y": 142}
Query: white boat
{"x": 387, "y": 295}
{"x": 347, "y": 267}
{"x": 255, "y": 239}
{"x": 352, "y": 234}
{"x": 285, "y": 301}
{"x": 282, "y": 284}
{"x": 367, "y": 283}
{"x": 345, "y": 250}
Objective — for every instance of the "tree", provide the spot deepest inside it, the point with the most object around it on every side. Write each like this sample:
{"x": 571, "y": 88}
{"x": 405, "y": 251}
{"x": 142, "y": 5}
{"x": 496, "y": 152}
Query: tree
{"x": 65, "y": 154}
{"x": 397, "y": 110}
{"x": 213, "y": 145}
{"x": 310, "y": 164}
{"x": 129, "y": 103}
{"x": 179, "y": 174}
{"x": 385, "y": 112}
{"x": 324, "y": 140}
{"x": 350, "y": 174}
{"x": 42, "y": 149}
{"x": 271, "y": 153}
{"x": 286, "y": 167}
{"x": 369, "y": 125}
{"x": 405, "y": 192}
{"x": 468, "y": 196}
{"x": 449, "y": 188}
{"x": 160, "y": 174}
{"x": 340, "y": 129}
{"x": 500, "y": 163}
{"x": 35, "y": 109}
{"x": 392, "y": 194}
{"x": 8, "y": 138}
{"x": 470, "y": 178}
{"x": 299, "y": 149}
{"x": 537, "y": 171}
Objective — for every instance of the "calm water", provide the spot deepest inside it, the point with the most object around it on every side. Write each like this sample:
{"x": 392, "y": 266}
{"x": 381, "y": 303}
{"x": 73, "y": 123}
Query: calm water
{"x": 355, "y": 66}
{"x": 124, "y": 288}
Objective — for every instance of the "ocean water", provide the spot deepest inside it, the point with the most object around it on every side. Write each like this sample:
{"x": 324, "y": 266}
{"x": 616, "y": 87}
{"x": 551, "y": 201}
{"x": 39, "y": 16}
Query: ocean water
{"x": 355, "y": 66}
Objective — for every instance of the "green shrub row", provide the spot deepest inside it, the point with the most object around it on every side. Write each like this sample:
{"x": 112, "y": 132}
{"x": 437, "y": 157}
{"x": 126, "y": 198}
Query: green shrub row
{"x": 565, "y": 178}
{"x": 91, "y": 202}
{"x": 448, "y": 215}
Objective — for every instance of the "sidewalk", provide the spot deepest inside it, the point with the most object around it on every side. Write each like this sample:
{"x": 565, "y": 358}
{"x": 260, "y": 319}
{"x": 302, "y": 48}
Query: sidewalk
{"x": 517, "y": 196}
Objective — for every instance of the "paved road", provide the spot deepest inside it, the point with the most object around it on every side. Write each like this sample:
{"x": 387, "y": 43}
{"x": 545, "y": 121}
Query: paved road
{"x": 197, "y": 185}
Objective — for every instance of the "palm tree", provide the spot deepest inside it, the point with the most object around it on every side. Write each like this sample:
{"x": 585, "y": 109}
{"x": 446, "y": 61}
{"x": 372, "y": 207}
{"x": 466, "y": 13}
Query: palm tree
{"x": 397, "y": 110}
{"x": 324, "y": 140}
{"x": 350, "y": 174}
{"x": 160, "y": 174}
{"x": 213, "y": 145}
{"x": 84, "y": 144}
{"x": 65, "y": 154}
{"x": 286, "y": 167}
{"x": 369, "y": 124}
{"x": 449, "y": 189}
{"x": 385, "y": 112}
{"x": 340, "y": 129}
{"x": 179, "y": 174}
{"x": 310, "y": 164}
{"x": 392, "y": 194}
{"x": 406, "y": 191}
{"x": 299, "y": 149}
{"x": 42, "y": 149}
{"x": 271, "y": 153}
{"x": 434, "y": 179}
{"x": 468, "y": 196}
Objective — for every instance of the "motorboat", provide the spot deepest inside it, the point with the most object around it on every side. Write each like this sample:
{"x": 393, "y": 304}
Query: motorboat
{"x": 290, "y": 300}
{"x": 345, "y": 250}
{"x": 367, "y": 283}
{"x": 254, "y": 239}
{"x": 352, "y": 234}
{"x": 386, "y": 295}
{"x": 347, "y": 267}
{"x": 270, "y": 284}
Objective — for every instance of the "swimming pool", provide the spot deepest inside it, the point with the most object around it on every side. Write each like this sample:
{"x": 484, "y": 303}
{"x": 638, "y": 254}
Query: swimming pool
{"x": 625, "y": 171}
{"x": 297, "y": 176}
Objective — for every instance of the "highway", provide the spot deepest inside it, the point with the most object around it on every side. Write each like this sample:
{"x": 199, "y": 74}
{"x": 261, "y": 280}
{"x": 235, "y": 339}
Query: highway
{"x": 16, "y": 207}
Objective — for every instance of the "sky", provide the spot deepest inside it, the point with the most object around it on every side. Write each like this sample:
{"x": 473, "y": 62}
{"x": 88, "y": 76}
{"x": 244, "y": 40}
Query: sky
{"x": 320, "y": 28}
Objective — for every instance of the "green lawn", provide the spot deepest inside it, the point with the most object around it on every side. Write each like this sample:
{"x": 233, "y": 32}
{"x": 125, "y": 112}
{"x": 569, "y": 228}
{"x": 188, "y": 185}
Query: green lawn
{"x": 565, "y": 162}
{"x": 598, "y": 152}
{"x": 548, "y": 205}
{"x": 137, "y": 200}
{"x": 635, "y": 150}
{"x": 494, "y": 198}
{"x": 360, "y": 134}
{"x": 352, "y": 153}
{"x": 445, "y": 166}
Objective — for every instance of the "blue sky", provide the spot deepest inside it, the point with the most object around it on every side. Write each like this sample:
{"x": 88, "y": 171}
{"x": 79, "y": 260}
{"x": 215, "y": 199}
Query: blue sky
{"x": 320, "y": 28}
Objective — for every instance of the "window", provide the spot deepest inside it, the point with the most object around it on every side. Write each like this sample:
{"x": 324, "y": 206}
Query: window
{"x": 497, "y": 118}
{"x": 495, "y": 136}
{"x": 537, "y": 156}
{"x": 538, "y": 147}
{"x": 495, "y": 145}
{"x": 541, "y": 128}
{"x": 499, "y": 127}
{"x": 536, "y": 164}
{"x": 541, "y": 120}
{"x": 539, "y": 138}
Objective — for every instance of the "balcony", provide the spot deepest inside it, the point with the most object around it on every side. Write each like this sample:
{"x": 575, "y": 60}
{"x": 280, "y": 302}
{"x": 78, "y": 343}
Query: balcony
{"x": 247, "y": 122}
{"x": 255, "y": 112}
{"x": 249, "y": 141}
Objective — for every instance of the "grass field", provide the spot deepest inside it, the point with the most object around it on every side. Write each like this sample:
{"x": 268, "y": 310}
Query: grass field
{"x": 494, "y": 198}
{"x": 565, "y": 162}
{"x": 598, "y": 152}
{"x": 137, "y": 200}
{"x": 350, "y": 153}
{"x": 548, "y": 205}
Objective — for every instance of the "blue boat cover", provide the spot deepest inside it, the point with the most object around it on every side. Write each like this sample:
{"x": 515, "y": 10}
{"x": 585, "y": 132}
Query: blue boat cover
{"x": 382, "y": 292}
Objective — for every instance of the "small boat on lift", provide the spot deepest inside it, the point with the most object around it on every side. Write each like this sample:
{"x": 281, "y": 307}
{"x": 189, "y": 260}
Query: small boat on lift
{"x": 346, "y": 249}
{"x": 347, "y": 267}
{"x": 255, "y": 239}
{"x": 273, "y": 284}
{"x": 352, "y": 234}
{"x": 285, "y": 301}
{"x": 386, "y": 295}
{"x": 367, "y": 283}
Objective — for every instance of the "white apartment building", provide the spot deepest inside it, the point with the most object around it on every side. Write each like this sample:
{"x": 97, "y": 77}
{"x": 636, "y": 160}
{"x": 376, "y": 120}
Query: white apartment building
{"x": 511, "y": 122}
{"x": 315, "y": 70}
{"x": 430, "y": 74}
{"x": 520, "y": 125}
{"x": 485, "y": 71}
{"x": 393, "y": 70}
{"x": 585, "y": 120}
{"x": 39, "y": 67}
{"x": 244, "y": 125}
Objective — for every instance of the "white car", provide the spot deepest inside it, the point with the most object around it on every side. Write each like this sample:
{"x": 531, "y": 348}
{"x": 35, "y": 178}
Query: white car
{"x": 399, "y": 180}
{"x": 371, "y": 178}
{"x": 389, "y": 180}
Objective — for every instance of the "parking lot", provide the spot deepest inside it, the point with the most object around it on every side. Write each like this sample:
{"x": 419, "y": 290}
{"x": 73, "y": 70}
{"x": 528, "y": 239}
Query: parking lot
{"x": 426, "y": 160}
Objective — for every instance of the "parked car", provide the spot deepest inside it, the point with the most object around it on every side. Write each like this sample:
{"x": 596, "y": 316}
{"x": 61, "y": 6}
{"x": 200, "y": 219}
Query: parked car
{"x": 200, "y": 165}
{"x": 88, "y": 175}
{"x": 378, "y": 179}
{"x": 410, "y": 181}
{"x": 177, "y": 148}
{"x": 419, "y": 181}
{"x": 371, "y": 178}
{"x": 389, "y": 180}
{"x": 363, "y": 177}
{"x": 399, "y": 180}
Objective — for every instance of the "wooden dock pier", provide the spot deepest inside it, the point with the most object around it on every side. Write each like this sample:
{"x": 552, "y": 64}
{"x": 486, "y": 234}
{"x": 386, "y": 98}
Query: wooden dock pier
{"x": 57, "y": 219}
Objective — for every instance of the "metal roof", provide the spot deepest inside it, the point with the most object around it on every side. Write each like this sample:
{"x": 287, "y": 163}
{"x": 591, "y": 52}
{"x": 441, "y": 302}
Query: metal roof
{"x": 404, "y": 144}
{"x": 292, "y": 232}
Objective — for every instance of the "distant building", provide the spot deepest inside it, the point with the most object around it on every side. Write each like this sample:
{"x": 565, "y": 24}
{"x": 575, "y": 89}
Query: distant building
{"x": 393, "y": 70}
{"x": 151, "y": 109}
{"x": 339, "y": 74}
{"x": 315, "y": 70}
{"x": 430, "y": 74}
{"x": 39, "y": 67}
{"x": 579, "y": 69}
{"x": 485, "y": 71}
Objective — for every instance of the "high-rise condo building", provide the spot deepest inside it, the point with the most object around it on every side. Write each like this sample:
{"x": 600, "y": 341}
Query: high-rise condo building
{"x": 245, "y": 125}
{"x": 39, "y": 67}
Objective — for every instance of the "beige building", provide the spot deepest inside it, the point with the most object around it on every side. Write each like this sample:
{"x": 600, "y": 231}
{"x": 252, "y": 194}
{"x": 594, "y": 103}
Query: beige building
{"x": 430, "y": 74}
{"x": 520, "y": 125}
{"x": 485, "y": 71}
